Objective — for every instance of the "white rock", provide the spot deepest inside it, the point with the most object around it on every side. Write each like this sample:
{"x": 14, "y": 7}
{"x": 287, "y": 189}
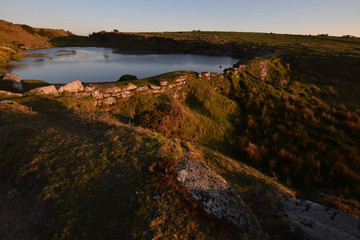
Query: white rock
{"x": 131, "y": 86}
{"x": 74, "y": 86}
{"x": 46, "y": 90}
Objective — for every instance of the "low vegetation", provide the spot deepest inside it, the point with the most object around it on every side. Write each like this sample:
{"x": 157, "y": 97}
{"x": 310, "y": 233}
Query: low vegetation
{"x": 285, "y": 124}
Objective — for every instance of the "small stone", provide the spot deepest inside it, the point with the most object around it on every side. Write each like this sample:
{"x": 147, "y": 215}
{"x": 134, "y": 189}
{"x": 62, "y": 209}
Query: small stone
{"x": 131, "y": 86}
{"x": 163, "y": 83}
{"x": 75, "y": 86}
{"x": 46, "y": 90}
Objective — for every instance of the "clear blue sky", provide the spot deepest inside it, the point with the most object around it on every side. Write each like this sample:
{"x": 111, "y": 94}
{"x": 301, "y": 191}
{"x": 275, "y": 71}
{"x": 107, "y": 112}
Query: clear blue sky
{"x": 335, "y": 17}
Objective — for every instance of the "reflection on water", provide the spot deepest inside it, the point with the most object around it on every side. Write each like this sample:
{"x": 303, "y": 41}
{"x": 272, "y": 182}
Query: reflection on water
{"x": 90, "y": 64}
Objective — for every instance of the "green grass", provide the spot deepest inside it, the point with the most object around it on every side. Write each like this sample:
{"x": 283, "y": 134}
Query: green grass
{"x": 91, "y": 174}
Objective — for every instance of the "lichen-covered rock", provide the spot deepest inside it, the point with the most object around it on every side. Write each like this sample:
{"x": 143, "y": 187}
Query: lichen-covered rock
{"x": 48, "y": 90}
{"x": 144, "y": 88}
{"x": 213, "y": 192}
{"x": 16, "y": 81}
{"x": 75, "y": 86}
{"x": 130, "y": 87}
{"x": 319, "y": 222}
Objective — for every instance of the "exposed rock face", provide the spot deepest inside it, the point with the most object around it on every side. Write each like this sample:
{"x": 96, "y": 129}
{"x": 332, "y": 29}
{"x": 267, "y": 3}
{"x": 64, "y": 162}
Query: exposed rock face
{"x": 10, "y": 94}
{"x": 74, "y": 86}
{"x": 319, "y": 222}
{"x": 213, "y": 192}
{"x": 16, "y": 81}
{"x": 46, "y": 90}
{"x": 130, "y": 87}
{"x": 163, "y": 83}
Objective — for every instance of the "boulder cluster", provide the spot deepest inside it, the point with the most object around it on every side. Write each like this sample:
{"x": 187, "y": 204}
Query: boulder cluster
{"x": 103, "y": 96}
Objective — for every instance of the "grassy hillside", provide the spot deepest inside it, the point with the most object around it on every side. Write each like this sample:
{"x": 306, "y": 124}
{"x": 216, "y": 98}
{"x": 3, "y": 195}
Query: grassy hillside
{"x": 305, "y": 134}
{"x": 75, "y": 173}
{"x": 16, "y": 37}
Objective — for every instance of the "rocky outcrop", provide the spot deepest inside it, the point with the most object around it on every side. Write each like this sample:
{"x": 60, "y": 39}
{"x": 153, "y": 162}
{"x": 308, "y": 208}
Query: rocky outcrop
{"x": 214, "y": 193}
{"x": 264, "y": 68}
{"x": 48, "y": 90}
{"x": 319, "y": 222}
{"x": 72, "y": 87}
{"x": 16, "y": 81}
{"x": 109, "y": 96}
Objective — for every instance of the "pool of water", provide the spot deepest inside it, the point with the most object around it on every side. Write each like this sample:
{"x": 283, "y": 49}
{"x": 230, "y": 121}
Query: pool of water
{"x": 90, "y": 64}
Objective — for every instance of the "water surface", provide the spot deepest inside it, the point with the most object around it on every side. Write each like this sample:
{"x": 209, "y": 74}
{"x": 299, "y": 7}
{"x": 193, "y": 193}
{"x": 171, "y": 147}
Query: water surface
{"x": 90, "y": 64}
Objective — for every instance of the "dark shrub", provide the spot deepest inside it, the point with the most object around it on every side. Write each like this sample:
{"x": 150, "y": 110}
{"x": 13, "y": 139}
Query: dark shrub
{"x": 28, "y": 29}
{"x": 127, "y": 77}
